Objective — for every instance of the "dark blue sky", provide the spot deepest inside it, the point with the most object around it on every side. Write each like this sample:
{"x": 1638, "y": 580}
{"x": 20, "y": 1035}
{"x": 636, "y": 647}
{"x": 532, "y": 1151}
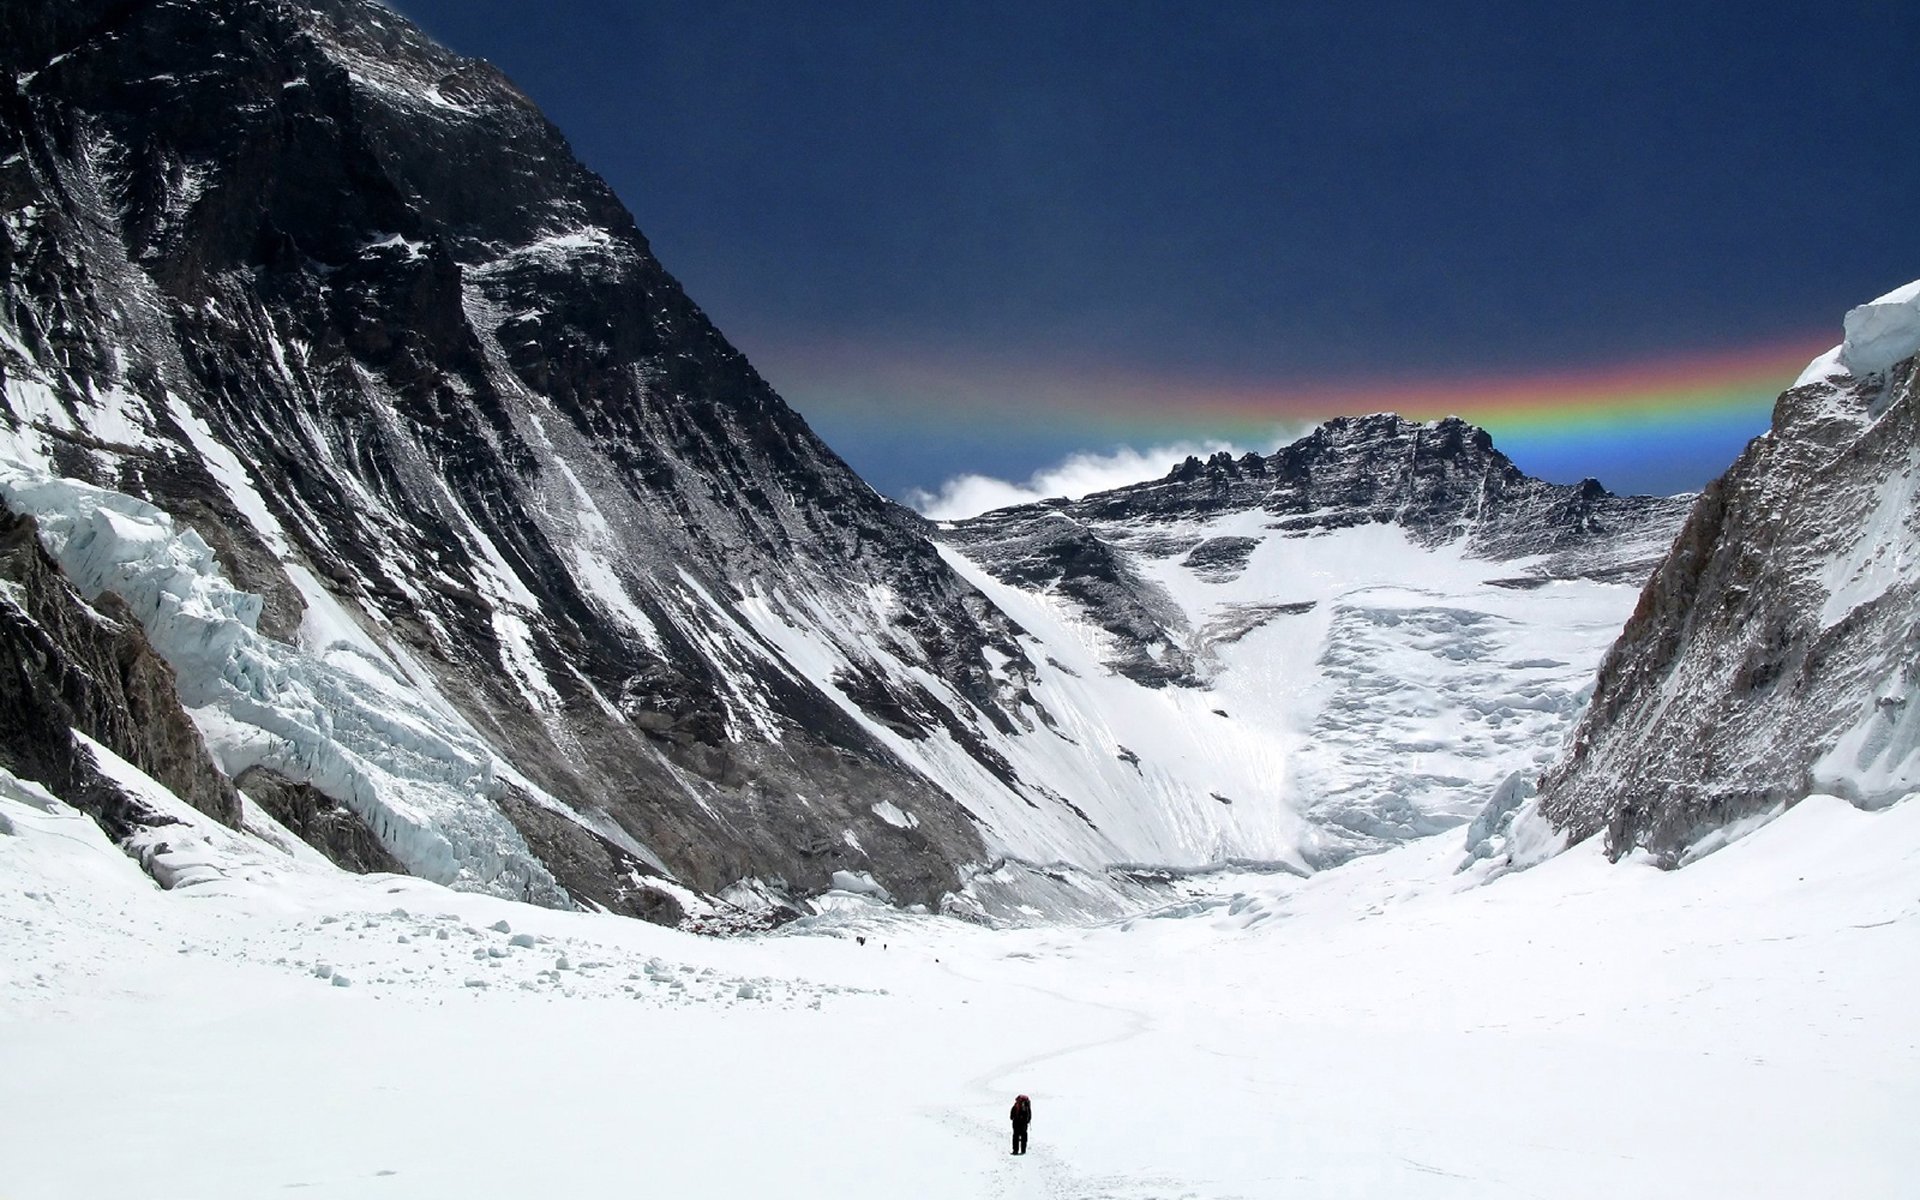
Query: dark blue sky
{"x": 1229, "y": 192}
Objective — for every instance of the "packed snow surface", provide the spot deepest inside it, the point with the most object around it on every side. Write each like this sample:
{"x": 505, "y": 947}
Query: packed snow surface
{"x": 1394, "y": 1027}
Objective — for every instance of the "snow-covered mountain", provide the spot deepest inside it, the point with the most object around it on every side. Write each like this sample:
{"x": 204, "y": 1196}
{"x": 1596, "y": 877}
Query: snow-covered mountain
{"x": 1363, "y": 633}
{"x": 435, "y": 490}
{"x": 1776, "y": 651}
{"x": 338, "y": 391}
{"x": 374, "y": 500}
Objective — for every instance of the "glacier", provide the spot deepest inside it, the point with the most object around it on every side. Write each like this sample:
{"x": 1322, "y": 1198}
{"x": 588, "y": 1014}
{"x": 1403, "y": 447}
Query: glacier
{"x": 1358, "y": 1031}
{"x": 419, "y": 779}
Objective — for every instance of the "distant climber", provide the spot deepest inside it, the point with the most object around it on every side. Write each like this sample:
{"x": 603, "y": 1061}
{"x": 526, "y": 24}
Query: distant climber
{"x": 1022, "y": 1115}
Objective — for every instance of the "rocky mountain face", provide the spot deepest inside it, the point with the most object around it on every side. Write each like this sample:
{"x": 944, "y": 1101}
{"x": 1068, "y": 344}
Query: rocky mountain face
{"x": 343, "y": 304}
{"x": 341, "y": 401}
{"x": 1776, "y": 651}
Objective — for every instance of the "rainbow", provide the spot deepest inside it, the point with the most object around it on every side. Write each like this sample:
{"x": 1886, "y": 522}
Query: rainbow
{"x": 937, "y": 390}
{"x": 1616, "y": 421}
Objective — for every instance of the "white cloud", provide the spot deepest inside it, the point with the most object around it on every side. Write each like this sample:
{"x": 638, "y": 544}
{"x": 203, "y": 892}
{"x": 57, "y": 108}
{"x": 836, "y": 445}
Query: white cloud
{"x": 1077, "y": 475}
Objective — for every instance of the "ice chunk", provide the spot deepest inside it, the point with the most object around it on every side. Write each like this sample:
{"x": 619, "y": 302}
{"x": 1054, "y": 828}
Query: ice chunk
{"x": 894, "y": 815}
{"x": 1487, "y": 831}
{"x": 1883, "y": 332}
{"x": 859, "y": 883}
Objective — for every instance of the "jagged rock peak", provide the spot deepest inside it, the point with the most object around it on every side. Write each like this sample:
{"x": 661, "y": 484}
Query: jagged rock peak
{"x": 1377, "y": 446}
{"x": 1440, "y": 480}
{"x": 1447, "y": 437}
{"x": 1219, "y": 465}
{"x": 1368, "y": 438}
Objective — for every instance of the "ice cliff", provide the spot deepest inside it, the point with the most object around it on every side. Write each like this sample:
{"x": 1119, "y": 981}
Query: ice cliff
{"x": 418, "y": 778}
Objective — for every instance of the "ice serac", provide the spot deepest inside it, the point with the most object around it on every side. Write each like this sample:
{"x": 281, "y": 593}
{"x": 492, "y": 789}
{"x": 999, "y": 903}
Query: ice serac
{"x": 1382, "y": 620}
{"x": 1776, "y": 652}
{"x": 66, "y": 665}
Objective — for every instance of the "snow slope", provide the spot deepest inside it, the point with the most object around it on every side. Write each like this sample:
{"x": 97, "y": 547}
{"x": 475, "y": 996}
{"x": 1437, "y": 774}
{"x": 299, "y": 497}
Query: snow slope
{"x": 1390, "y": 1027}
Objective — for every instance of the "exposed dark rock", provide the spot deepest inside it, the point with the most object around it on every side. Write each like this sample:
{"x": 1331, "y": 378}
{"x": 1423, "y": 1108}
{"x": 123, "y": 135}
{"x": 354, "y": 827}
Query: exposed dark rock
{"x": 327, "y": 826}
{"x": 599, "y": 871}
{"x": 449, "y": 365}
{"x": 67, "y": 665}
{"x": 1221, "y": 558}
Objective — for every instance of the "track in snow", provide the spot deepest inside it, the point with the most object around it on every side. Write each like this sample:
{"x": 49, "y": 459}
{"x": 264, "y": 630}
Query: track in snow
{"x": 1042, "y": 1174}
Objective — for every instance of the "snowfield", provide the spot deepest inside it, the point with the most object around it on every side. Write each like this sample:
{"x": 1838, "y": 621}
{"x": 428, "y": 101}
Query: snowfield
{"x": 1393, "y": 1027}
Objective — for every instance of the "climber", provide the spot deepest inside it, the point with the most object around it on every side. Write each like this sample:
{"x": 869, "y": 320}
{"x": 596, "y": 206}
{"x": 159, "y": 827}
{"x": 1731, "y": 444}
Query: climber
{"x": 1022, "y": 1115}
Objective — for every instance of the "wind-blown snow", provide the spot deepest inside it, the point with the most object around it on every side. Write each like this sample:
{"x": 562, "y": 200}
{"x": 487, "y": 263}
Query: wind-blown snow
{"x": 1079, "y": 474}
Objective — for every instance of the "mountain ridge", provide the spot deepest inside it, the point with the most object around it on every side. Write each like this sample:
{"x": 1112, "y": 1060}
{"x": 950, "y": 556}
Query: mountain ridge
{"x": 437, "y": 306}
